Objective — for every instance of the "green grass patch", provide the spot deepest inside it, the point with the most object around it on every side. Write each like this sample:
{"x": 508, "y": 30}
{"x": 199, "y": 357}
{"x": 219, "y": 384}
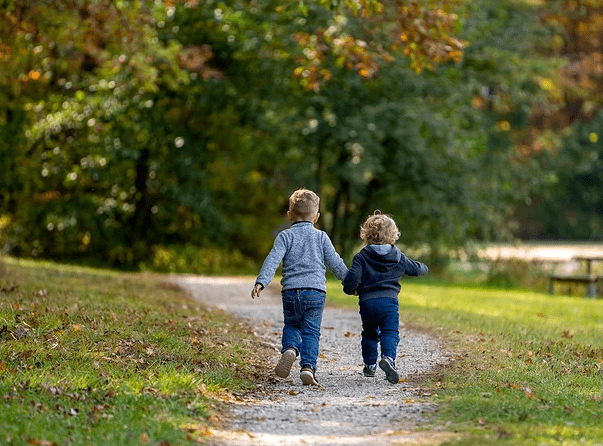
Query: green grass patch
{"x": 94, "y": 357}
{"x": 527, "y": 369}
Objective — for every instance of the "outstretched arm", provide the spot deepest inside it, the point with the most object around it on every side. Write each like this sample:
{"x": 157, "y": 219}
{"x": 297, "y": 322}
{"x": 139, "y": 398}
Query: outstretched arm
{"x": 413, "y": 268}
{"x": 257, "y": 289}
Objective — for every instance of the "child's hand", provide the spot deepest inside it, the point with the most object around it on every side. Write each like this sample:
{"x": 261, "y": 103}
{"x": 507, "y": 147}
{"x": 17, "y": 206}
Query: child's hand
{"x": 256, "y": 290}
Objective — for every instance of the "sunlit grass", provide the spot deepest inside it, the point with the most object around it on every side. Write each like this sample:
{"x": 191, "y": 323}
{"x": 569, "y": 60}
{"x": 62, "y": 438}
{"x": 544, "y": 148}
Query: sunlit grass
{"x": 94, "y": 357}
{"x": 527, "y": 368}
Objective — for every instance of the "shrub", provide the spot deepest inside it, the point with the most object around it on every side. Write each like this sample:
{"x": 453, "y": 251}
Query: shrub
{"x": 195, "y": 260}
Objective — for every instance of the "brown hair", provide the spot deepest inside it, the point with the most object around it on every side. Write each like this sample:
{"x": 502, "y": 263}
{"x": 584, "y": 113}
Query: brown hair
{"x": 379, "y": 229}
{"x": 303, "y": 204}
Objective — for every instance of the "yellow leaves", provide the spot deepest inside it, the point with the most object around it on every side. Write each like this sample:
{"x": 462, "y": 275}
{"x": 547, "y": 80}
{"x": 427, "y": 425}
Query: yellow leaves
{"x": 550, "y": 87}
{"x": 5, "y": 51}
{"x": 349, "y": 53}
{"x": 34, "y": 75}
{"x": 503, "y": 126}
{"x": 426, "y": 35}
{"x": 478, "y": 102}
{"x": 546, "y": 84}
{"x": 593, "y": 137}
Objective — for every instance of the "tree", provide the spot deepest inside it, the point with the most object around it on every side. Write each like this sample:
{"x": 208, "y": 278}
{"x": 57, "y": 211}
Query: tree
{"x": 139, "y": 124}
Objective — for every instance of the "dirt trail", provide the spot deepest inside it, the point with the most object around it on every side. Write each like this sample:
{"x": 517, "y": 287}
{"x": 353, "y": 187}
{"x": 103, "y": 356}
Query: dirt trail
{"x": 348, "y": 408}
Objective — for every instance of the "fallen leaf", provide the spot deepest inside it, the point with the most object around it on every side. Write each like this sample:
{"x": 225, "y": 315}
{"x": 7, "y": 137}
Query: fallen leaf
{"x": 293, "y": 392}
{"x": 144, "y": 438}
{"x": 567, "y": 334}
{"x": 36, "y": 442}
{"x": 349, "y": 334}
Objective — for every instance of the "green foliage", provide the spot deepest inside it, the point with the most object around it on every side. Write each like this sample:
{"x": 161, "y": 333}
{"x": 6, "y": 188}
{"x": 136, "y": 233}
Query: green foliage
{"x": 140, "y": 125}
{"x": 193, "y": 260}
{"x": 100, "y": 358}
{"x": 570, "y": 207}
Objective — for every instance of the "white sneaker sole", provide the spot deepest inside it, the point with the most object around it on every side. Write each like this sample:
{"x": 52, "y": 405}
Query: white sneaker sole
{"x": 308, "y": 378}
{"x": 283, "y": 367}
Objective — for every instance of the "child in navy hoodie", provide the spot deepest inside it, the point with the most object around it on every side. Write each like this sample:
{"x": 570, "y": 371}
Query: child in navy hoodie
{"x": 374, "y": 276}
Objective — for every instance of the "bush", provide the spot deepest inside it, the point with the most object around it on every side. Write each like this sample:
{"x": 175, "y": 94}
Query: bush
{"x": 195, "y": 260}
{"x": 516, "y": 274}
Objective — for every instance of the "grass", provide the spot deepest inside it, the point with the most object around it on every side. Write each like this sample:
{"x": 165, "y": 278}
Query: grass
{"x": 527, "y": 369}
{"x": 94, "y": 357}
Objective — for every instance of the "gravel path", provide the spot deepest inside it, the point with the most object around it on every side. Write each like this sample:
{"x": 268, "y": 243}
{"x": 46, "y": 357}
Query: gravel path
{"x": 347, "y": 408}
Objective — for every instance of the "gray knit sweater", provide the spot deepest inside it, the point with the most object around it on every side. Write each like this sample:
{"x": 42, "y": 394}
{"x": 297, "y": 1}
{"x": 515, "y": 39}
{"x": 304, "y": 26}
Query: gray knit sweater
{"x": 304, "y": 251}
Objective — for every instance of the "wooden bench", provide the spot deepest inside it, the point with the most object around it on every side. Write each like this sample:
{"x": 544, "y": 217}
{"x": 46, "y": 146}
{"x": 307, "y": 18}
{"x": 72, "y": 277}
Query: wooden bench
{"x": 589, "y": 280}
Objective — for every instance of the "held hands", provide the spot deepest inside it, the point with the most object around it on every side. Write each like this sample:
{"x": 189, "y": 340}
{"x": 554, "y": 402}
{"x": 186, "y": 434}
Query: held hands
{"x": 256, "y": 290}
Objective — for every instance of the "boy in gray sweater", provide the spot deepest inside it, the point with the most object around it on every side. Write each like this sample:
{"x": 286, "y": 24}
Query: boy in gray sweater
{"x": 304, "y": 251}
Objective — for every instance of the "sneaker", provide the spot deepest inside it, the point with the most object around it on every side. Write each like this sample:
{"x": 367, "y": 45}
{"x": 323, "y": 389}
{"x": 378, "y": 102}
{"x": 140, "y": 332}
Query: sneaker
{"x": 369, "y": 370}
{"x": 283, "y": 367}
{"x": 308, "y": 376}
{"x": 389, "y": 367}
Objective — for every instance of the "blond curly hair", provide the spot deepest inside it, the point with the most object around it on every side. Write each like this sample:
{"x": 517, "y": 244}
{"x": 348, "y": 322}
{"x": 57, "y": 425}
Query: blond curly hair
{"x": 303, "y": 205}
{"x": 379, "y": 229}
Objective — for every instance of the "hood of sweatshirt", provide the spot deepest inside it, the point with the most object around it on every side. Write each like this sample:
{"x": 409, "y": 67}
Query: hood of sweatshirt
{"x": 382, "y": 257}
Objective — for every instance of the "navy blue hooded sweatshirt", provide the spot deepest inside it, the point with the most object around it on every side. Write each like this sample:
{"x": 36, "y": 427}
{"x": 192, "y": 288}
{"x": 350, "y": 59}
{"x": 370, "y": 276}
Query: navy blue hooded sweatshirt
{"x": 376, "y": 271}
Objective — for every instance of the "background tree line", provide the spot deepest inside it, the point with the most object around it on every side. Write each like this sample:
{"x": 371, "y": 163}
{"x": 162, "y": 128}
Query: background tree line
{"x": 169, "y": 134}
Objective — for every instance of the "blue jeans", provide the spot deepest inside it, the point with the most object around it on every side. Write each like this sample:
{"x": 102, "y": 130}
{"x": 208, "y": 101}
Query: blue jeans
{"x": 380, "y": 321}
{"x": 302, "y": 310}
